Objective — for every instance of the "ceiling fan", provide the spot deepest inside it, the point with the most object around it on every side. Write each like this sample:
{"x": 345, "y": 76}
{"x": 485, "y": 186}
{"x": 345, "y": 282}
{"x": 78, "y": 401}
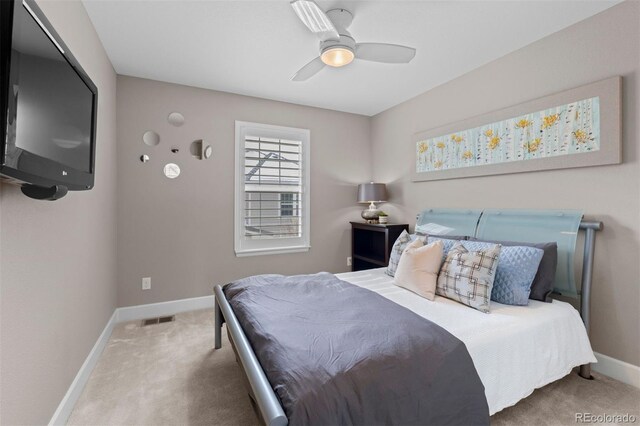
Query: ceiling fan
{"x": 337, "y": 47}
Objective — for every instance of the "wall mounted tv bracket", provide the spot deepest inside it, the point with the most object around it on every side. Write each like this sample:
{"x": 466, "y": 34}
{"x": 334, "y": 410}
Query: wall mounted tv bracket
{"x": 41, "y": 193}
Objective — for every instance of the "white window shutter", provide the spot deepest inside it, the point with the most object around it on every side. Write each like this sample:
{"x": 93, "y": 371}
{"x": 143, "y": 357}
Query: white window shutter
{"x": 272, "y": 189}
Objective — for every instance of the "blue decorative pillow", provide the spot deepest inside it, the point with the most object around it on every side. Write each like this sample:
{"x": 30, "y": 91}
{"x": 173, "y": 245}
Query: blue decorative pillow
{"x": 545, "y": 279}
{"x": 396, "y": 251}
{"x": 447, "y": 243}
{"x": 517, "y": 267}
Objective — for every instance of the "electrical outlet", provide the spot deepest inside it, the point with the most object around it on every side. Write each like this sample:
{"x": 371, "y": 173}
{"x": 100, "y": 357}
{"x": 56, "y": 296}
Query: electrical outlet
{"x": 146, "y": 283}
{"x": 349, "y": 261}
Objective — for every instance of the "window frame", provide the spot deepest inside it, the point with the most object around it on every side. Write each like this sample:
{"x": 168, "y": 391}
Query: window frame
{"x": 248, "y": 247}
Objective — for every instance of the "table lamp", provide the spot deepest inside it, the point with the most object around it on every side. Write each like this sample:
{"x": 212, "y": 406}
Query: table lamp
{"x": 372, "y": 193}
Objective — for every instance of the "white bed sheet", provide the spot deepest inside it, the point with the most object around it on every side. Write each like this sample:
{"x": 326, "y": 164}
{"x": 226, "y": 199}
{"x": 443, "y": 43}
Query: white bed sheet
{"x": 515, "y": 349}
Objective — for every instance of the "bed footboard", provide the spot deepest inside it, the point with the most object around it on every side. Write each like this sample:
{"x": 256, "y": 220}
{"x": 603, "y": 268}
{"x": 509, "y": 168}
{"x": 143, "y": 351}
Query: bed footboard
{"x": 265, "y": 398}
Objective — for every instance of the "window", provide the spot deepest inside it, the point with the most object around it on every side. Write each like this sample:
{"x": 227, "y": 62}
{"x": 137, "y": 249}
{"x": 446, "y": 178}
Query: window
{"x": 288, "y": 204}
{"x": 272, "y": 189}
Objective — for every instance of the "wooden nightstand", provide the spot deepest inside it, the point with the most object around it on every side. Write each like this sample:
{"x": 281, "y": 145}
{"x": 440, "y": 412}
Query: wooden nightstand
{"x": 371, "y": 244}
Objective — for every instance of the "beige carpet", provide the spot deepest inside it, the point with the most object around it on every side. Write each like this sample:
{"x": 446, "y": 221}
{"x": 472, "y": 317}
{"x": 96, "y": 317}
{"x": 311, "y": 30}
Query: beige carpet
{"x": 169, "y": 374}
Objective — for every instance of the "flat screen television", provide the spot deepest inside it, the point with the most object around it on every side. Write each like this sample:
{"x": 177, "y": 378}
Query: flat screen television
{"x": 48, "y": 107}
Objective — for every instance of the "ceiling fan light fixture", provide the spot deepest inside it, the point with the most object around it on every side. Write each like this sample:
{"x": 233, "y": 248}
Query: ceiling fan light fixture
{"x": 337, "y": 56}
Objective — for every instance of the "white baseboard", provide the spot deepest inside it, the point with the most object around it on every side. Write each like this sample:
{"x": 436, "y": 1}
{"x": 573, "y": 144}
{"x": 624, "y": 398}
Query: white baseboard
{"x": 616, "y": 369}
{"x": 130, "y": 313}
{"x": 65, "y": 407}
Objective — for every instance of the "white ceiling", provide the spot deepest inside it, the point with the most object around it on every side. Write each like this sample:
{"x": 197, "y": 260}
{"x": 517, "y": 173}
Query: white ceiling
{"x": 254, "y": 47}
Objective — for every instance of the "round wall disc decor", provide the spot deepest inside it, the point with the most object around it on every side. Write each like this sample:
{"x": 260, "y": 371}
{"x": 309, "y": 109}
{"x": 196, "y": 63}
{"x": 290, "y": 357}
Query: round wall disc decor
{"x": 171, "y": 170}
{"x": 208, "y": 151}
{"x": 151, "y": 138}
{"x": 176, "y": 119}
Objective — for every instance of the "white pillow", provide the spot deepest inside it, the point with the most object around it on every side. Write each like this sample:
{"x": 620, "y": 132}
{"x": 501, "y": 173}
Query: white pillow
{"x": 418, "y": 268}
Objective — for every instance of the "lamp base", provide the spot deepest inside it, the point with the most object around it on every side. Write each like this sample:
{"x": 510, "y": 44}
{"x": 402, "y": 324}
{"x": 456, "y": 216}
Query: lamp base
{"x": 371, "y": 215}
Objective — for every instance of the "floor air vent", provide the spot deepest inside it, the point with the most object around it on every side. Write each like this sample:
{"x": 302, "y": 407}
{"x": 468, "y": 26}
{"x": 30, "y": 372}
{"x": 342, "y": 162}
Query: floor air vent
{"x": 158, "y": 320}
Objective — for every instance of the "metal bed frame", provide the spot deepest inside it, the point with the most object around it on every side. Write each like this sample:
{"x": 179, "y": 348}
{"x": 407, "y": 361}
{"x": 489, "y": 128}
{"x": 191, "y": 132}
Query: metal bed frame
{"x": 589, "y": 228}
{"x": 264, "y": 398}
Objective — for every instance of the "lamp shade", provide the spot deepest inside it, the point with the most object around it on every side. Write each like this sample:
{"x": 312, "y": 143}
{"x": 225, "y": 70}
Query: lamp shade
{"x": 372, "y": 192}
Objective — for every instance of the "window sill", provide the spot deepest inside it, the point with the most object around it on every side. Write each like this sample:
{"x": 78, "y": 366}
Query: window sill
{"x": 281, "y": 250}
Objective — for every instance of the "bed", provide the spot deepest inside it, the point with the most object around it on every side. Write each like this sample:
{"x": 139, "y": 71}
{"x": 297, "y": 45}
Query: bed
{"x": 511, "y": 348}
{"x": 514, "y": 349}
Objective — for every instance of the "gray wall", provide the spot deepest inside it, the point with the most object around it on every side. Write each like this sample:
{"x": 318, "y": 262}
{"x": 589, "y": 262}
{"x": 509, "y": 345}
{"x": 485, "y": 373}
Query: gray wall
{"x": 58, "y": 259}
{"x": 602, "y": 46}
{"x": 180, "y": 232}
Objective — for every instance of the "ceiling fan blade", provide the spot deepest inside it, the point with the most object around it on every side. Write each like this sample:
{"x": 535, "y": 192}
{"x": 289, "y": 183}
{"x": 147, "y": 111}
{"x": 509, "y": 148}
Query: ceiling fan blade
{"x": 309, "y": 70}
{"x": 383, "y": 52}
{"x": 315, "y": 19}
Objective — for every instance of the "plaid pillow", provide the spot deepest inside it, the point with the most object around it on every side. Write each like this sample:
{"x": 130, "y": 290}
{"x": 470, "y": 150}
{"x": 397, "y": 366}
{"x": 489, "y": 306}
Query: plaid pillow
{"x": 396, "y": 251}
{"x": 467, "y": 276}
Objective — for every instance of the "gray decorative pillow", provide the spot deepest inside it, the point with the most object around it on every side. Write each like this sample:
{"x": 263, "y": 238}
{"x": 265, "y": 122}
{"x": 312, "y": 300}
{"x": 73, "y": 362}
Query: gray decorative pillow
{"x": 401, "y": 243}
{"x": 448, "y": 237}
{"x": 467, "y": 276}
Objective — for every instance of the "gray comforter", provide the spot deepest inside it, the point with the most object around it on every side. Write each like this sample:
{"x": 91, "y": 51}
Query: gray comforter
{"x": 338, "y": 354}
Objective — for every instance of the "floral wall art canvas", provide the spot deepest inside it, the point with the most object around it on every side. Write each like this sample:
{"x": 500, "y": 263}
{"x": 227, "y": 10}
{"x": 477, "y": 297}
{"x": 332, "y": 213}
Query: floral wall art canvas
{"x": 578, "y": 127}
{"x": 567, "y": 129}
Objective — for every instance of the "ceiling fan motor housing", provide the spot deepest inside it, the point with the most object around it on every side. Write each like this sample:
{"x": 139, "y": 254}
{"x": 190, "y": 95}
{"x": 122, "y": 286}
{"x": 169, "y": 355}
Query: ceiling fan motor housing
{"x": 346, "y": 41}
{"x": 341, "y": 19}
